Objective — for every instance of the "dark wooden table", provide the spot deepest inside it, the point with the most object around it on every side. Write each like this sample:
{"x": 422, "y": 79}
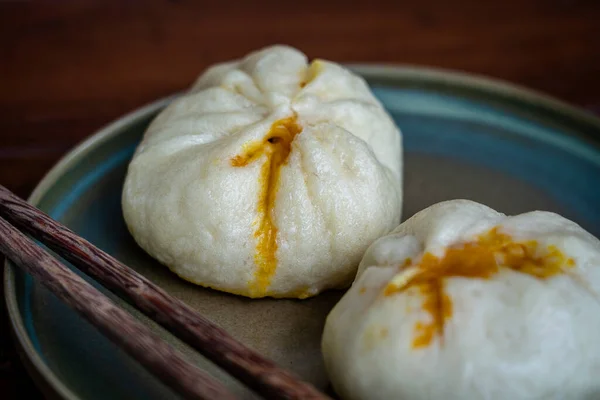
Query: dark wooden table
{"x": 67, "y": 69}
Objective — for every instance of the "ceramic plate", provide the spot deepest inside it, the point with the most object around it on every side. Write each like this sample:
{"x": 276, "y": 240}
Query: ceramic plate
{"x": 464, "y": 137}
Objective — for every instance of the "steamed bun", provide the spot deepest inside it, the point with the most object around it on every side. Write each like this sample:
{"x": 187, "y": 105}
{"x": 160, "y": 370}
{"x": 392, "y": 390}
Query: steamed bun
{"x": 463, "y": 302}
{"x": 270, "y": 177}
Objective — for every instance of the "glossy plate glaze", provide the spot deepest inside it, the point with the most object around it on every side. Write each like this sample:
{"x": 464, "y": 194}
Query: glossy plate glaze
{"x": 464, "y": 137}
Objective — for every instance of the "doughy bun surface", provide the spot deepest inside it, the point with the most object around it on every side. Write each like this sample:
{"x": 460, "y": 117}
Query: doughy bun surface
{"x": 271, "y": 177}
{"x": 463, "y": 302}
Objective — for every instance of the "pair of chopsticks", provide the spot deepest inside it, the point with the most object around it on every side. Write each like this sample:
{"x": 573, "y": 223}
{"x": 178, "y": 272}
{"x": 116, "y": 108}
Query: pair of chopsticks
{"x": 255, "y": 371}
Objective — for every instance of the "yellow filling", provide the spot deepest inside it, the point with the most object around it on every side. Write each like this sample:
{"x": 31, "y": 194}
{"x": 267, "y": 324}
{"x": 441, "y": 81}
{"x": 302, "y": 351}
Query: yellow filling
{"x": 276, "y": 146}
{"x": 311, "y": 73}
{"x": 479, "y": 259}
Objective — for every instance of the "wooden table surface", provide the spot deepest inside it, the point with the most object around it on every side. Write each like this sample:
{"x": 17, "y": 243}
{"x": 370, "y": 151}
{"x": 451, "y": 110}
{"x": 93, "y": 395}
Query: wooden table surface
{"x": 68, "y": 68}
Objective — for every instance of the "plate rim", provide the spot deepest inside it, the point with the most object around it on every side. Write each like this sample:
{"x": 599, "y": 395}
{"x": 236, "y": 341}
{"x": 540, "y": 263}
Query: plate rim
{"x": 42, "y": 374}
{"x": 45, "y": 378}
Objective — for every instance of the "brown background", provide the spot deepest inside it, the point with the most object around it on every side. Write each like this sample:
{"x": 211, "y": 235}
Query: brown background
{"x": 67, "y": 69}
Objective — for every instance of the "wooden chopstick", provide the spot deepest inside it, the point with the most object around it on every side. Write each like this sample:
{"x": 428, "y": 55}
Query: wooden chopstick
{"x": 158, "y": 357}
{"x": 248, "y": 366}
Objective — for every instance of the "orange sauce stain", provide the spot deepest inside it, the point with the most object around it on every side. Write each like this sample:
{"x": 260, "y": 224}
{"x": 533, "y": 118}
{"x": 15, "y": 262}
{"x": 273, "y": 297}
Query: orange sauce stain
{"x": 276, "y": 147}
{"x": 480, "y": 259}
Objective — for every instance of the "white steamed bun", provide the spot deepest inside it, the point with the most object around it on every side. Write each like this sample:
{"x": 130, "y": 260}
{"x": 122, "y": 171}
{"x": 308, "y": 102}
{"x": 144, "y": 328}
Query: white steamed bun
{"x": 462, "y": 302}
{"x": 271, "y": 177}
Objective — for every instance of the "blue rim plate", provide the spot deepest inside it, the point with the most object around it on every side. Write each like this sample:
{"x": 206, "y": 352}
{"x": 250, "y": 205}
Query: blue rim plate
{"x": 464, "y": 136}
